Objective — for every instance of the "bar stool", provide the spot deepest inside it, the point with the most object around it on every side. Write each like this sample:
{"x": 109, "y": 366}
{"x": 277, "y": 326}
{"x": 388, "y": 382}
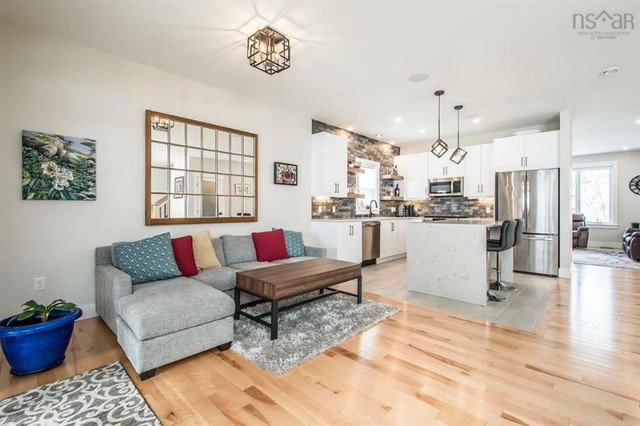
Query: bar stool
{"x": 506, "y": 241}
{"x": 517, "y": 238}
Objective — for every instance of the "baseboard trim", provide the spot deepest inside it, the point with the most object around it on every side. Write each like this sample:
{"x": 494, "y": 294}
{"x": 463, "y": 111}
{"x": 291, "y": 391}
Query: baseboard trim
{"x": 88, "y": 311}
{"x": 564, "y": 272}
{"x": 605, "y": 244}
{"x": 391, "y": 258}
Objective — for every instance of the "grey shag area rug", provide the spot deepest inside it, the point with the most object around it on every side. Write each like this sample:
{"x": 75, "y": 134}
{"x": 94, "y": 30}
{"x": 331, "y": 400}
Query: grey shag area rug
{"x": 305, "y": 331}
{"x": 103, "y": 396}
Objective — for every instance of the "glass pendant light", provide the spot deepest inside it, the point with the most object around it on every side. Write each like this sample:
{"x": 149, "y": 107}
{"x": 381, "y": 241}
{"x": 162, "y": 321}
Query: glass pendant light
{"x": 459, "y": 154}
{"x": 439, "y": 147}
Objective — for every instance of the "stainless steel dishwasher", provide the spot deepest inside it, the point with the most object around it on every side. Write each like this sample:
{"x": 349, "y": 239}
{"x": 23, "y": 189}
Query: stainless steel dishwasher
{"x": 370, "y": 242}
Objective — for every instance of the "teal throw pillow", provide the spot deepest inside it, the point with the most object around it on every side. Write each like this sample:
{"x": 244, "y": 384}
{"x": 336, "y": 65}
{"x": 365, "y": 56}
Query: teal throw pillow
{"x": 294, "y": 243}
{"x": 147, "y": 260}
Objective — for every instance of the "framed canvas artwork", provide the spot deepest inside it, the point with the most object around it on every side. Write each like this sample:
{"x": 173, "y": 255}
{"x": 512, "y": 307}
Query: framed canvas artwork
{"x": 285, "y": 174}
{"x": 56, "y": 167}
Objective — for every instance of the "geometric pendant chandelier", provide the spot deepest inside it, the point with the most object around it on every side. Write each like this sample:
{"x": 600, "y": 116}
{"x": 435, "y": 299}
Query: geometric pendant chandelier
{"x": 268, "y": 50}
{"x": 459, "y": 154}
{"x": 439, "y": 147}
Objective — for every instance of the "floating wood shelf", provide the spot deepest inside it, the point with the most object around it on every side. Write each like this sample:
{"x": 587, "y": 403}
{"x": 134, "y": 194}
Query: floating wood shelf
{"x": 351, "y": 195}
{"x": 392, "y": 177}
{"x": 391, "y": 198}
{"x": 354, "y": 170}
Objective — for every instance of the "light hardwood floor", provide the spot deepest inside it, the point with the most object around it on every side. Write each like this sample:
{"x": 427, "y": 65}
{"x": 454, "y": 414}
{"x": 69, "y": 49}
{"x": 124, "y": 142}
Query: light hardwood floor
{"x": 581, "y": 365}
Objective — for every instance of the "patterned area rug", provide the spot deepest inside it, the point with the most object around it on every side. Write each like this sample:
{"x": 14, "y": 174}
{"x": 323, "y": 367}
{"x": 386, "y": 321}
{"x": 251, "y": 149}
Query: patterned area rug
{"x": 604, "y": 257}
{"x": 305, "y": 331}
{"x": 103, "y": 396}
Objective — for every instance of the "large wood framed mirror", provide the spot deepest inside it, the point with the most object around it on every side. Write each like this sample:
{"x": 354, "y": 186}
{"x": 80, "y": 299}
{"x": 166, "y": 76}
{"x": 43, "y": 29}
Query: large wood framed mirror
{"x": 199, "y": 172}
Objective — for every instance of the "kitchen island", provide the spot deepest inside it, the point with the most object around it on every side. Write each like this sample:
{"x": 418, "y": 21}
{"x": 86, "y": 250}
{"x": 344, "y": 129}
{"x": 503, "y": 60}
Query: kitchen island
{"x": 449, "y": 258}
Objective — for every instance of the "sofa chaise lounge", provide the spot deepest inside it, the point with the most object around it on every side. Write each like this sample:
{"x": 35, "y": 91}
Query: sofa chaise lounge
{"x": 163, "y": 321}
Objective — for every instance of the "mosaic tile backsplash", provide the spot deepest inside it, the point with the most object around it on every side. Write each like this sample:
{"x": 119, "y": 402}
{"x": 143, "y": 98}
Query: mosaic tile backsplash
{"x": 360, "y": 146}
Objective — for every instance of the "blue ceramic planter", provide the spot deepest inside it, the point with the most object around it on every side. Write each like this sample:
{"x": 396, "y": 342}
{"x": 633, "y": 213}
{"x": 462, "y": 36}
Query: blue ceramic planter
{"x": 40, "y": 346}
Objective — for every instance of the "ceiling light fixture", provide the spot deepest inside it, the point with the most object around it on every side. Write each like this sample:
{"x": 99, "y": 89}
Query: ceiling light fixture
{"x": 609, "y": 71}
{"x": 439, "y": 147}
{"x": 459, "y": 154}
{"x": 638, "y": 121}
{"x": 161, "y": 124}
{"x": 625, "y": 148}
{"x": 476, "y": 120}
{"x": 423, "y": 130}
{"x": 398, "y": 120}
{"x": 268, "y": 50}
{"x": 418, "y": 77}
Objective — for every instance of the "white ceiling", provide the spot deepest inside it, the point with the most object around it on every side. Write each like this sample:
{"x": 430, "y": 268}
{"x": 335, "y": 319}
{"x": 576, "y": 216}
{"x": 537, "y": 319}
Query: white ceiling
{"x": 515, "y": 64}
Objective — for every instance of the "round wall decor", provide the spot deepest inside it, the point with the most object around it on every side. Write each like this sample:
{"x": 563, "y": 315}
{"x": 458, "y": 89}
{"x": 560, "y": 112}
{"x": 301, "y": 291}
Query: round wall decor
{"x": 634, "y": 185}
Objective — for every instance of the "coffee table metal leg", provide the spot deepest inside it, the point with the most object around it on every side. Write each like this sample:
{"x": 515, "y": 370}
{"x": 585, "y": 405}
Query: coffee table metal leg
{"x": 360, "y": 289}
{"x": 236, "y": 298}
{"x": 274, "y": 319}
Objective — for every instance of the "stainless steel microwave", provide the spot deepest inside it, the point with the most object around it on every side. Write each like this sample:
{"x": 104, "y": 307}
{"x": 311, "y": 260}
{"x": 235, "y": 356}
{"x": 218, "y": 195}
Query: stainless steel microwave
{"x": 447, "y": 187}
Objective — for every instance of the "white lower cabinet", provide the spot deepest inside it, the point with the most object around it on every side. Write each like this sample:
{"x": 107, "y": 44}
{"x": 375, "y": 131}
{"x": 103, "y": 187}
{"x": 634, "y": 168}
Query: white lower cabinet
{"x": 343, "y": 240}
{"x": 393, "y": 238}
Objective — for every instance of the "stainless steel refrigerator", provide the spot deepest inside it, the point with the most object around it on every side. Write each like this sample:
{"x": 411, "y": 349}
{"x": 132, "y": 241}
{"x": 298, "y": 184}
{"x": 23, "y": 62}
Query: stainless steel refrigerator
{"x": 532, "y": 195}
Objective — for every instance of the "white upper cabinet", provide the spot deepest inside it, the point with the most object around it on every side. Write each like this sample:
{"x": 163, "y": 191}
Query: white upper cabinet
{"x": 509, "y": 153}
{"x": 479, "y": 171}
{"x": 443, "y": 167}
{"x": 541, "y": 150}
{"x": 529, "y": 152}
{"x": 414, "y": 169}
{"x": 328, "y": 165}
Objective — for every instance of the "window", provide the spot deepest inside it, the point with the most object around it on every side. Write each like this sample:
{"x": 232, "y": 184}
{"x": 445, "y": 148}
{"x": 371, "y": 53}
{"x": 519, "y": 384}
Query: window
{"x": 368, "y": 184}
{"x": 593, "y": 192}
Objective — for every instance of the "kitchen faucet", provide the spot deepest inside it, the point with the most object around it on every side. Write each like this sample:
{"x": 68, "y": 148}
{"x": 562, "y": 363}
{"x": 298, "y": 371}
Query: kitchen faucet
{"x": 371, "y": 211}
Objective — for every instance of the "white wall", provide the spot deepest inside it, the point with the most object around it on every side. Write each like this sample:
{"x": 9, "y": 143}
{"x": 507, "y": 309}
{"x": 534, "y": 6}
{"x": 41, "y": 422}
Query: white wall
{"x": 565, "y": 160}
{"x": 53, "y": 85}
{"x": 628, "y": 202}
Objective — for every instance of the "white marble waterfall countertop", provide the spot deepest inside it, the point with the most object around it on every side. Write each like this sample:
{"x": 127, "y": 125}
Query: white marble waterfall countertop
{"x": 366, "y": 219}
{"x": 488, "y": 223}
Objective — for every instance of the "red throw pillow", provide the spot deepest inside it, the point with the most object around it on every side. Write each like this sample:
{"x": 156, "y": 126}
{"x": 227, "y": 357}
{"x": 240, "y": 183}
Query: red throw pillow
{"x": 270, "y": 245}
{"x": 183, "y": 252}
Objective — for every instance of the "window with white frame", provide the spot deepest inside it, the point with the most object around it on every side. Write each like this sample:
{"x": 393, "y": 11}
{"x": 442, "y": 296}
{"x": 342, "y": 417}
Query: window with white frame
{"x": 594, "y": 192}
{"x": 368, "y": 183}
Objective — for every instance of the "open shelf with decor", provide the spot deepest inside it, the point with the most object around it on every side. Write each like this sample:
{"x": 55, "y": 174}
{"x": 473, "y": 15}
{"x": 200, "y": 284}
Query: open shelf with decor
{"x": 391, "y": 198}
{"x": 391, "y": 177}
{"x": 353, "y": 195}
{"x": 354, "y": 170}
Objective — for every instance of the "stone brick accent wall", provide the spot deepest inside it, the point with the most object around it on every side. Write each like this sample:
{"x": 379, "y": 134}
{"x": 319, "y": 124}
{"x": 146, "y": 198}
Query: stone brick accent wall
{"x": 360, "y": 146}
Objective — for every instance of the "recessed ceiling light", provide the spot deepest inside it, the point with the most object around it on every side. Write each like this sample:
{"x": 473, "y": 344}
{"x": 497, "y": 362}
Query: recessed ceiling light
{"x": 638, "y": 121}
{"x": 350, "y": 128}
{"x": 423, "y": 130}
{"x": 418, "y": 77}
{"x": 378, "y": 135}
{"x": 398, "y": 119}
{"x": 476, "y": 120}
{"x": 609, "y": 71}
{"x": 625, "y": 148}
{"x": 392, "y": 142}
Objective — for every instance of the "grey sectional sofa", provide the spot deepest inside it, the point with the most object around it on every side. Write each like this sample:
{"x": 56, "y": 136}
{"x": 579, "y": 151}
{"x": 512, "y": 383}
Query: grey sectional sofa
{"x": 163, "y": 321}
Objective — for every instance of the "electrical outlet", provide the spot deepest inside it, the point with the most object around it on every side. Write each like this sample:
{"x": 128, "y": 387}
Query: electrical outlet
{"x": 487, "y": 209}
{"x": 333, "y": 209}
{"x": 39, "y": 283}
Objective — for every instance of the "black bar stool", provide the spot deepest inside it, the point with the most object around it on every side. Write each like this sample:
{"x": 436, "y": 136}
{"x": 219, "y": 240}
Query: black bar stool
{"x": 506, "y": 241}
{"x": 517, "y": 238}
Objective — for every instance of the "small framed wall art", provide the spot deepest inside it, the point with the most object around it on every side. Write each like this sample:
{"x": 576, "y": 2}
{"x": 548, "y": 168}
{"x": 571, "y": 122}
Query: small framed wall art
{"x": 285, "y": 174}
{"x": 56, "y": 167}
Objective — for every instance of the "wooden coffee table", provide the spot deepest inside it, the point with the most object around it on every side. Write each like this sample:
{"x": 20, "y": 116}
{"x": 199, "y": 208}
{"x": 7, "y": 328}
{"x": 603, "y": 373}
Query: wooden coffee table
{"x": 275, "y": 283}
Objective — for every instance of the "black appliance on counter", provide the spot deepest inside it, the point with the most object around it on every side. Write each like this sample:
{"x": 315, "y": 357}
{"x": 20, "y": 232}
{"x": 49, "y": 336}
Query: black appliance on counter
{"x": 405, "y": 210}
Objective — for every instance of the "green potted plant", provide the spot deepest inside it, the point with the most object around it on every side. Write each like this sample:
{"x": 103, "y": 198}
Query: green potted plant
{"x": 38, "y": 337}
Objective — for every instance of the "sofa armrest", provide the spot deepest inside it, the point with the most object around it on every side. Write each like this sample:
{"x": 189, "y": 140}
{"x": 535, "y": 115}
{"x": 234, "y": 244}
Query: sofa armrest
{"x": 111, "y": 285}
{"x": 315, "y": 251}
{"x": 630, "y": 231}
